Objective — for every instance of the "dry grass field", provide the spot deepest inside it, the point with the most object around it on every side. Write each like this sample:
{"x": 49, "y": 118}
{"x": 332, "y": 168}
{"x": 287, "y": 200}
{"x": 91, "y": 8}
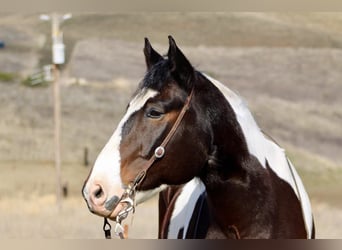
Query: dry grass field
{"x": 28, "y": 205}
{"x": 288, "y": 68}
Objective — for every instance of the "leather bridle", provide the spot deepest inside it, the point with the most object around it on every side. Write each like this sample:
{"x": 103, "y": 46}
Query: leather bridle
{"x": 128, "y": 196}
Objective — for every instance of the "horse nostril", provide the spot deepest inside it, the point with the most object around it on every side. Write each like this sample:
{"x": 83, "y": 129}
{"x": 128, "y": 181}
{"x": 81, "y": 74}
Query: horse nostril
{"x": 98, "y": 193}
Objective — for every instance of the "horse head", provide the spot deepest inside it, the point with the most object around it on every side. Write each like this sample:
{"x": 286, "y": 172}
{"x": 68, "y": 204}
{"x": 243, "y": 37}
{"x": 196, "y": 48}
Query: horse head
{"x": 149, "y": 119}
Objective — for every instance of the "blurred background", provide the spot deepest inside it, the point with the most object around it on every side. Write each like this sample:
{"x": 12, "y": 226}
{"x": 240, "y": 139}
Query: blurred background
{"x": 288, "y": 68}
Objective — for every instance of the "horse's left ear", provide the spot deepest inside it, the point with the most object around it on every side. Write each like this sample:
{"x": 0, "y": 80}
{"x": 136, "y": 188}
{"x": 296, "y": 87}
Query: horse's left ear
{"x": 180, "y": 67}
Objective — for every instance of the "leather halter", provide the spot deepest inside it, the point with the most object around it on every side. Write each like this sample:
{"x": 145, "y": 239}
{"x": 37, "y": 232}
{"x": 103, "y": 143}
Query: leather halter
{"x": 160, "y": 151}
{"x": 128, "y": 196}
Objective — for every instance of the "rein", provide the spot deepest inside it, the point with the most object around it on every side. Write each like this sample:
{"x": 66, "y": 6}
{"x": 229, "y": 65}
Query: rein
{"x": 128, "y": 196}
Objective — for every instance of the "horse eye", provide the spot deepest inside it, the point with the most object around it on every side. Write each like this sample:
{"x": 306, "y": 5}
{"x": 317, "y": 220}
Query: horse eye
{"x": 154, "y": 114}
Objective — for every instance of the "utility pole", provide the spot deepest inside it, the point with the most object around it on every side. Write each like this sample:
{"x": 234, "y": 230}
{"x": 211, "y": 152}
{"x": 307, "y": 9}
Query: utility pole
{"x": 58, "y": 58}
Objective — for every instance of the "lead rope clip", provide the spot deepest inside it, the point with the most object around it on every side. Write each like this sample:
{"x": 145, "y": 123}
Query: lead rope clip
{"x": 107, "y": 229}
{"x": 119, "y": 230}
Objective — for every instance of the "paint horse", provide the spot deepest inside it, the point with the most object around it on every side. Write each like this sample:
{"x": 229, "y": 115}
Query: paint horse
{"x": 191, "y": 139}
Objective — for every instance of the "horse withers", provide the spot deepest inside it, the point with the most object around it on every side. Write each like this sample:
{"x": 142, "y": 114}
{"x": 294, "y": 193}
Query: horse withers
{"x": 194, "y": 141}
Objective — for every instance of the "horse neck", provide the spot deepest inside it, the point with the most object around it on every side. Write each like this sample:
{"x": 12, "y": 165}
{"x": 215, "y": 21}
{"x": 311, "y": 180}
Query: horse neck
{"x": 230, "y": 170}
{"x": 242, "y": 193}
{"x": 228, "y": 147}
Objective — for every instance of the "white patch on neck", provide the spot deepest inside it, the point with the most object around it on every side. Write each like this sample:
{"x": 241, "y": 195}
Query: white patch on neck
{"x": 184, "y": 207}
{"x": 142, "y": 196}
{"x": 107, "y": 164}
{"x": 264, "y": 149}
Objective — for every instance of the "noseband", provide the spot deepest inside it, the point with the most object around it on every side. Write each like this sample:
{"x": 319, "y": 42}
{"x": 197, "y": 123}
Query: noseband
{"x": 128, "y": 196}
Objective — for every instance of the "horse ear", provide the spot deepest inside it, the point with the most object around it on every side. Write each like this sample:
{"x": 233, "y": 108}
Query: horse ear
{"x": 180, "y": 67}
{"x": 151, "y": 56}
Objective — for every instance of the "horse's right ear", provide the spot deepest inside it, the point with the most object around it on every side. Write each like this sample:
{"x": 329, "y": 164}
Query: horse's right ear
{"x": 151, "y": 56}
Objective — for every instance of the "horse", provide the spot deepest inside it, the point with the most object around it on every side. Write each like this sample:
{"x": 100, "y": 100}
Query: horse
{"x": 193, "y": 141}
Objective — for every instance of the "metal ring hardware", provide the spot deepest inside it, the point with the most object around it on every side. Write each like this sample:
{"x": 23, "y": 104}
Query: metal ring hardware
{"x": 159, "y": 152}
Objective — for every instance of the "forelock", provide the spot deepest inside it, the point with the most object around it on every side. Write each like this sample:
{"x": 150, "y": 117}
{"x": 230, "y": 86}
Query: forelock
{"x": 157, "y": 76}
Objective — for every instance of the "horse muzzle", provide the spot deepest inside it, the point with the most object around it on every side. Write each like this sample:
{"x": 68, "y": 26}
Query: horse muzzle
{"x": 101, "y": 203}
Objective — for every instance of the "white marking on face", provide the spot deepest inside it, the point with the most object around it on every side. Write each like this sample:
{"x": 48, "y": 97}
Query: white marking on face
{"x": 107, "y": 165}
{"x": 184, "y": 207}
{"x": 264, "y": 149}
